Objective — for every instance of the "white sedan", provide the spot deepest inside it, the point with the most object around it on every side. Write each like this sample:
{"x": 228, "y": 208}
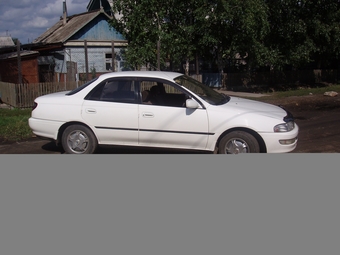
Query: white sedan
{"x": 160, "y": 109}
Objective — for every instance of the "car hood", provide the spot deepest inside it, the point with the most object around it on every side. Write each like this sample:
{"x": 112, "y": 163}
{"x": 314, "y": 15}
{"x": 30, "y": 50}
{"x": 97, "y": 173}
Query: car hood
{"x": 246, "y": 106}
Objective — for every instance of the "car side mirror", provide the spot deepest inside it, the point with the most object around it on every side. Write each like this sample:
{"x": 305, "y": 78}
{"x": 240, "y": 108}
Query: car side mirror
{"x": 192, "y": 104}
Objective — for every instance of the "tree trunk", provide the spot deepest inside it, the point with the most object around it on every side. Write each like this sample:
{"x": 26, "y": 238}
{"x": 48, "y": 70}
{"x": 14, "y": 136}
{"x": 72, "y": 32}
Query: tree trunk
{"x": 187, "y": 67}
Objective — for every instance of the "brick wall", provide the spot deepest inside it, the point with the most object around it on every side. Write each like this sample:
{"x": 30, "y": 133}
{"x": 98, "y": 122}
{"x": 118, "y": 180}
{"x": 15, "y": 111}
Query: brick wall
{"x": 9, "y": 70}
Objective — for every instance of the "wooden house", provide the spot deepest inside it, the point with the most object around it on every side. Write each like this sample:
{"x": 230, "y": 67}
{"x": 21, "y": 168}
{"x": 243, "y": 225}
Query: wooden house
{"x": 80, "y": 44}
{"x": 77, "y": 47}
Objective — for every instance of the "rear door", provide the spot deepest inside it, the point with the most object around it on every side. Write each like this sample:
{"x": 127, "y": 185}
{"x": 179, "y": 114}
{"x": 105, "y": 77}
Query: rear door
{"x": 111, "y": 109}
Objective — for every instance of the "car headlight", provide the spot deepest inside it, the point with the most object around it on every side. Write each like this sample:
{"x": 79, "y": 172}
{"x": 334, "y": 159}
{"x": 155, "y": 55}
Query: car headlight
{"x": 284, "y": 127}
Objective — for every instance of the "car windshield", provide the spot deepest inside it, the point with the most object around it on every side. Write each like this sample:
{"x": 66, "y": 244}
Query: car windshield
{"x": 203, "y": 91}
{"x": 76, "y": 90}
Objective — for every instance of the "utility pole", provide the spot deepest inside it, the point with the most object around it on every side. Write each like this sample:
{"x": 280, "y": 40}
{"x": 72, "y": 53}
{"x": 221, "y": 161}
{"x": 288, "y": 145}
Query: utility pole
{"x": 86, "y": 61}
{"x": 19, "y": 63}
{"x": 113, "y": 56}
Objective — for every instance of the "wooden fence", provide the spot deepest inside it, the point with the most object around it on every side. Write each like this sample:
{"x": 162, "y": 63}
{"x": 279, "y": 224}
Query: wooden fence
{"x": 23, "y": 95}
{"x": 278, "y": 79}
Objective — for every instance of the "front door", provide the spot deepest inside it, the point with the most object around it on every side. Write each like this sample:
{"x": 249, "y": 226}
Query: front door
{"x": 164, "y": 121}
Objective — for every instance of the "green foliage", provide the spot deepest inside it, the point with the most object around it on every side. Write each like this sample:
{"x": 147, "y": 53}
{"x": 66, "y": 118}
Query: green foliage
{"x": 235, "y": 29}
{"x": 304, "y": 31}
{"x": 14, "y": 124}
{"x": 93, "y": 72}
{"x": 243, "y": 33}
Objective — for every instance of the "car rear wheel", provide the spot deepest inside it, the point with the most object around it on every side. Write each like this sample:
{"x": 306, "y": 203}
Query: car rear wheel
{"x": 78, "y": 139}
{"x": 238, "y": 142}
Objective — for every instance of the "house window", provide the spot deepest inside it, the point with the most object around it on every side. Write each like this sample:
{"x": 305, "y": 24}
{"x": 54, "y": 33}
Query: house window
{"x": 108, "y": 61}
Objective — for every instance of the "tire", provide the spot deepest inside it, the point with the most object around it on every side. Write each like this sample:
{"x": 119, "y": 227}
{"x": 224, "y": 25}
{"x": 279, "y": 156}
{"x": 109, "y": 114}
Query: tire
{"x": 78, "y": 139}
{"x": 237, "y": 142}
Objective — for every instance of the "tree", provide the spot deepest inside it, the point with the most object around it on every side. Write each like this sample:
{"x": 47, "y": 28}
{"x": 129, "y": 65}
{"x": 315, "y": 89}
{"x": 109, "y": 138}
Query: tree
{"x": 303, "y": 31}
{"x": 181, "y": 37}
{"x": 140, "y": 22}
{"x": 235, "y": 27}
{"x": 323, "y": 26}
{"x": 243, "y": 33}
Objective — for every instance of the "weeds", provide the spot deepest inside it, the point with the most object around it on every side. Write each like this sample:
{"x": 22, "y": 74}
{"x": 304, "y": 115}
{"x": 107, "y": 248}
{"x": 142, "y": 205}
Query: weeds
{"x": 14, "y": 124}
{"x": 305, "y": 91}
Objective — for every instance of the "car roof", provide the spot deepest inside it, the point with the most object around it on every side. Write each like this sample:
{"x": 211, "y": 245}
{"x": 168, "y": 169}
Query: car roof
{"x": 150, "y": 74}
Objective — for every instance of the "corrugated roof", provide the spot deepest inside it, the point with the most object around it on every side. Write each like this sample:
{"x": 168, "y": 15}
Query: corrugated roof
{"x": 6, "y": 41}
{"x": 15, "y": 54}
{"x": 61, "y": 33}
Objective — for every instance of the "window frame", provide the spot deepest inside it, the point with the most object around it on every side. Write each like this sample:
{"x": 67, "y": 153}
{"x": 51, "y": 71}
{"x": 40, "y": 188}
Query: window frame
{"x": 170, "y": 83}
{"x": 99, "y": 88}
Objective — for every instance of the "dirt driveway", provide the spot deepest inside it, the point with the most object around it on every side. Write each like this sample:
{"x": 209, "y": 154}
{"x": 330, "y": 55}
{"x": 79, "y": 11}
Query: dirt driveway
{"x": 318, "y": 117}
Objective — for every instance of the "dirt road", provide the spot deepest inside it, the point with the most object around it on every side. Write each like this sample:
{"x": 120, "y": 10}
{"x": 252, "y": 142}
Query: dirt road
{"x": 317, "y": 116}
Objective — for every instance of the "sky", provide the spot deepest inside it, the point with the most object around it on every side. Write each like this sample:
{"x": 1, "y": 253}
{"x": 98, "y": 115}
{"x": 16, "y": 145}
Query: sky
{"x": 26, "y": 20}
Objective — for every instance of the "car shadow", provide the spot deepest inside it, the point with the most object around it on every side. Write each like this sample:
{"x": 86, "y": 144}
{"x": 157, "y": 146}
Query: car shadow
{"x": 52, "y": 147}
{"x": 108, "y": 149}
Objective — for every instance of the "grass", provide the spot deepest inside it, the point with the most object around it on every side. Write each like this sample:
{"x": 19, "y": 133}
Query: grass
{"x": 306, "y": 91}
{"x": 14, "y": 124}
{"x": 298, "y": 92}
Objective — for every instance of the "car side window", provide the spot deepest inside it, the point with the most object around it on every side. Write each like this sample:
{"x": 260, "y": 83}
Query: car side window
{"x": 115, "y": 90}
{"x": 162, "y": 93}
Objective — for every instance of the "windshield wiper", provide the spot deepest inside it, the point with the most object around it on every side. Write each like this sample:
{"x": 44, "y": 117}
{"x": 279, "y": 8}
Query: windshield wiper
{"x": 225, "y": 99}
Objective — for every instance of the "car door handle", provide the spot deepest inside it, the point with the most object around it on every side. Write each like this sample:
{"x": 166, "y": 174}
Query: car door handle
{"x": 147, "y": 115}
{"x": 90, "y": 110}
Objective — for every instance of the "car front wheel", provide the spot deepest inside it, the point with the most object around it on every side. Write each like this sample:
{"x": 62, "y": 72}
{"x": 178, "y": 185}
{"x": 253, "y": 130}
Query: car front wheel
{"x": 237, "y": 142}
{"x": 78, "y": 139}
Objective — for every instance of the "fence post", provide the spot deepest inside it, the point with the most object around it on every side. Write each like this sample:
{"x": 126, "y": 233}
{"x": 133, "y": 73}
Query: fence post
{"x": 224, "y": 82}
{"x": 197, "y": 65}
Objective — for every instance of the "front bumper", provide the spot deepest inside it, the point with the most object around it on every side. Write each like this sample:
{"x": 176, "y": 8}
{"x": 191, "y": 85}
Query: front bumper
{"x": 281, "y": 142}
